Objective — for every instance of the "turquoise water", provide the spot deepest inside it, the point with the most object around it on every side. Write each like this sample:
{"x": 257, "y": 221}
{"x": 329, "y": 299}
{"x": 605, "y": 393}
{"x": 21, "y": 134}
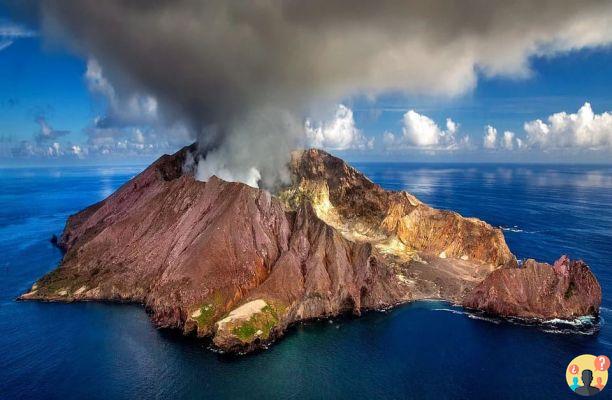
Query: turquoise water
{"x": 426, "y": 350}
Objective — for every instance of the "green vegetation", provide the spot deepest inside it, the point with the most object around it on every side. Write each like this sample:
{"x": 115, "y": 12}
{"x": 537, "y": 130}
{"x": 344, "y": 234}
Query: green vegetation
{"x": 263, "y": 322}
{"x": 57, "y": 280}
{"x": 209, "y": 311}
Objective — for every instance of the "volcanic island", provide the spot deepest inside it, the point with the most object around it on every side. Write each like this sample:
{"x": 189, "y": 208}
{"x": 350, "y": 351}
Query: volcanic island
{"x": 239, "y": 265}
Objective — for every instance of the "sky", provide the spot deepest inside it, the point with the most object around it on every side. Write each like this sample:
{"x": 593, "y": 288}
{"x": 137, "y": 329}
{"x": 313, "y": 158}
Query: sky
{"x": 58, "y": 105}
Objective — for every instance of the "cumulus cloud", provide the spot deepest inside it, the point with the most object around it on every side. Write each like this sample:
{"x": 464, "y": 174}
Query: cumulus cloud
{"x": 55, "y": 150}
{"x": 511, "y": 142}
{"x": 581, "y": 130}
{"x": 338, "y": 134}
{"x": 490, "y": 138}
{"x": 213, "y": 65}
{"x": 127, "y": 141}
{"x": 45, "y": 143}
{"x": 421, "y": 132}
{"x": 508, "y": 140}
{"x": 77, "y": 151}
{"x": 29, "y": 149}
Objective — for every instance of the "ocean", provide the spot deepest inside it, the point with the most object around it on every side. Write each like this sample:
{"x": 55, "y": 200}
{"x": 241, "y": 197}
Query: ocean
{"x": 424, "y": 350}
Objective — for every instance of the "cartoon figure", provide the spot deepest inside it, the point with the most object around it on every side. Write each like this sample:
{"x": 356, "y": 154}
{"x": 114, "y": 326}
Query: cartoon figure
{"x": 599, "y": 385}
{"x": 587, "y": 389}
{"x": 574, "y": 384}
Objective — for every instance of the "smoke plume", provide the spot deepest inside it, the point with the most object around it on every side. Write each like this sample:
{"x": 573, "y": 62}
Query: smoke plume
{"x": 244, "y": 75}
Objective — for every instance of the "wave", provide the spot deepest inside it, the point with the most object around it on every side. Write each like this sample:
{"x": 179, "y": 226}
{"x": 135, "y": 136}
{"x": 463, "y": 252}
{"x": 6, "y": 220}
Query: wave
{"x": 561, "y": 331}
{"x": 514, "y": 229}
{"x": 587, "y": 325}
{"x": 493, "y": 320}
{"x": 471, "y": 315}
{"x": 450, "y": 310}
{"x": 580, "y": 321}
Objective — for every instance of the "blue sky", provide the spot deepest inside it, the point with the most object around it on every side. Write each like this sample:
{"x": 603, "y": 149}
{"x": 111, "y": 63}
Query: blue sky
{"x": 44, "y": 86}
{"x": 562, "y": 83}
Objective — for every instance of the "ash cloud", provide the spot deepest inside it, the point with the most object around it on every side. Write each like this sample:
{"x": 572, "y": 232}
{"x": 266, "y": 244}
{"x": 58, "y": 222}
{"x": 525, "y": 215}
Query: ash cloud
{"x": 244, "y": 75}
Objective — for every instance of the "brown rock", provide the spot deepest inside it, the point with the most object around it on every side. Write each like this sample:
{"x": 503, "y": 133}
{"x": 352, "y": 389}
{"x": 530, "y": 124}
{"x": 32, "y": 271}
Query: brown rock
{"x": 357, "y": 205}
{"x": 566, "y": 290}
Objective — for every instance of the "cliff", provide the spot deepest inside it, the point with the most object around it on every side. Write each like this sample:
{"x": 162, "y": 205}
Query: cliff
{"x": 235, "y": 263}
{"x": 567, "y": 289}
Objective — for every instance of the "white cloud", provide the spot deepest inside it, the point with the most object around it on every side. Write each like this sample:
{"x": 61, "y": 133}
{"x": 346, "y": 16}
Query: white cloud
{"x": 508, "y": 140}
{"x": 123, "y": 110}
{"x": 131, "y": 141}
{"x": 46, "y": 132}
{"x": 15, "y": 31}
{"x": 9, "y": 32}
{"x": 421, "y": 132}
{"x": 55, "y": 150}
{"x": 451, "y": 126}
{"x": 338, "y": 134}
{"x": 490, "y": 138}
{"x": 96, "y": 81}
{"x": 132, "y": 124}
{"x": 139, "y": 136}
{"x": 77, "y": 151}
{"x": 388, "y": 139}
{"x": 584, "y": 130}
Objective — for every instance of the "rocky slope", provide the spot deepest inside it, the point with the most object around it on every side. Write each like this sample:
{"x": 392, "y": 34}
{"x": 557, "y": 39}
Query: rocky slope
{"x": 567, "y": 289}
{"x": 238, "y": 264}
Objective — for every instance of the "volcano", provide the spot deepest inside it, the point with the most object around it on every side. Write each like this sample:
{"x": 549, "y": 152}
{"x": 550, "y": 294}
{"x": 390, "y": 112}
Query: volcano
{"x": 239, "y": 265}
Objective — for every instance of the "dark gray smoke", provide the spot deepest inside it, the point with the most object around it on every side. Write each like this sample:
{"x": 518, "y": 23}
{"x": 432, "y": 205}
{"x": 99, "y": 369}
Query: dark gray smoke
{"x": 243, "y": 74}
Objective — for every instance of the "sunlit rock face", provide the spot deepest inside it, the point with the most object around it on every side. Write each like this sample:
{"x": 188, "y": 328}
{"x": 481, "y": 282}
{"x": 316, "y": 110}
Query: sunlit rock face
{"x": 395, "y": 222}
{"x": 238, "y": 264}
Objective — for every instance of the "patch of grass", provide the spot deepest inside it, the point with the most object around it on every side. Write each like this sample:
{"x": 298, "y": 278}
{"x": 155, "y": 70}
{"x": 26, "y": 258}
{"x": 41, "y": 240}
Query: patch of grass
{"x": 246, "y": 331}
{"x": 278, "y": 307}
{"x": 263, "y": 321}
{"x": 209, "y": 311}
{"x": 59, "y": 279}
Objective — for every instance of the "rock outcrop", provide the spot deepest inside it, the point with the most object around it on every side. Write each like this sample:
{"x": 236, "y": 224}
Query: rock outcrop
{"x": 235, "y": 263}
{"x": 567, "y": 289}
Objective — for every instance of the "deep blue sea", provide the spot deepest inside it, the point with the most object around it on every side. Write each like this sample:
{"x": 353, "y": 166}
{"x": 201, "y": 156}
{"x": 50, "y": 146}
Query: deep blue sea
{"x": 425, "y": 350}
